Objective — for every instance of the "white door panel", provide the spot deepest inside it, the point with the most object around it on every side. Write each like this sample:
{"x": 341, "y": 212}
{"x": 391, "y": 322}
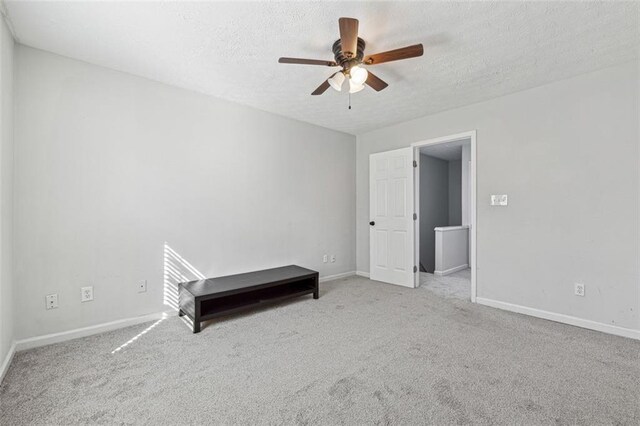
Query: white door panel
{"x": 391, "y": 211}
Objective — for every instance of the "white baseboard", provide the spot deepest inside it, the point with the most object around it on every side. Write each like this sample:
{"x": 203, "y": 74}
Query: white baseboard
{"x": 48, "y": 339}
{"x": 362, "y": 274}
{"x": 7, "y": 361}
{"x": 566, "y": 319}
{"x": 451, "y": 271}
{"x": 337, "y": 276}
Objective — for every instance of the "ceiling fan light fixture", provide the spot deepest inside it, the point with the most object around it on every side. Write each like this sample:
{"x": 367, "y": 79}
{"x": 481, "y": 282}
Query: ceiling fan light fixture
{"x": 348, "y": 53}
{"x": 358, "y": 75}
{"x": 336, "y": 81}
{"x": 354, "y": 87}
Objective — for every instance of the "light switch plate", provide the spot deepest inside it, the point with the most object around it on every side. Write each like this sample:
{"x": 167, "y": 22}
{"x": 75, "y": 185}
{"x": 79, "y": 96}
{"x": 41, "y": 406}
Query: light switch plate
{"x": 499, "y": 200}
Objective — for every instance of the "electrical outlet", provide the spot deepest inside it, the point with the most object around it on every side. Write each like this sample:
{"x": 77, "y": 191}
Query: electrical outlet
{"x": 51, "y": 301}
{"x": 324, "y": 259}
{"x": 579, "y": 289}
{"x": 142, "y": 286}
{"x": 86, "y": 294}
{"x": 333, "y": 258}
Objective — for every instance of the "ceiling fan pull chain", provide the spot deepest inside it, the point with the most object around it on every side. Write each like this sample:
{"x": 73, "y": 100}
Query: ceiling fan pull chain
{"x": 349, "y": 100}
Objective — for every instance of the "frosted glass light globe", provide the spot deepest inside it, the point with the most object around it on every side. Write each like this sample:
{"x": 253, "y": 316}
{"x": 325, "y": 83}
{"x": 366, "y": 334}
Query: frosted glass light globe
{"x": 337, "y": 80}
{"x": 358, "y": 75}
{"x": 354, "y": 87}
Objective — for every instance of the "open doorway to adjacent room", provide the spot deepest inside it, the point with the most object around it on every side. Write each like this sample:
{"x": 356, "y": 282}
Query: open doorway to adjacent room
{"x": 445, "y": 215}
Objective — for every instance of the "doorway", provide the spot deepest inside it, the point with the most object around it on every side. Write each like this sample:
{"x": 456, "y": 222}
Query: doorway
{"x": 445, "y": 206}
{"x": 394, "y": 213}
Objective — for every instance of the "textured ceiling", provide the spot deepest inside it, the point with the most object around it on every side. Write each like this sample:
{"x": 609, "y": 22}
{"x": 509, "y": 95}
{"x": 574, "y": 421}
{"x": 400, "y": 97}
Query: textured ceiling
{"x": 473, "y": 51}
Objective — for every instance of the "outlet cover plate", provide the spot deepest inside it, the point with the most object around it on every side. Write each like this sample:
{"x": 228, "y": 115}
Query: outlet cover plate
{"x": 51, "y": 301}
{"x": 86, "y": 294}
{"x": 579, "y": 289}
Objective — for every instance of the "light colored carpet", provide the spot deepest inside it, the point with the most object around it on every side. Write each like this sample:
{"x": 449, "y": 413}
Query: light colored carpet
{"x": 364, "y": 353}
{"x": 456, "y": 285}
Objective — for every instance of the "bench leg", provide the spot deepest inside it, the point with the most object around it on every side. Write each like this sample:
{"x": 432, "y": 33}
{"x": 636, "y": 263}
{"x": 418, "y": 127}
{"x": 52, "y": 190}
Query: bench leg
{"x": 196, "y": 316}
{"x": 316, "y": 292}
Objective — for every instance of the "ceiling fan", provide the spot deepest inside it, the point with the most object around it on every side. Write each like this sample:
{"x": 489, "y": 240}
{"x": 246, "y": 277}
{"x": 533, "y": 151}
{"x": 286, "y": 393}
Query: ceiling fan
{"x": 348, "y": 52}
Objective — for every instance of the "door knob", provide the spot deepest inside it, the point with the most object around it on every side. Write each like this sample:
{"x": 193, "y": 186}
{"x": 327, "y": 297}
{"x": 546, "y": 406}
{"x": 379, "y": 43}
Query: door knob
{"x": 372, "y": 223}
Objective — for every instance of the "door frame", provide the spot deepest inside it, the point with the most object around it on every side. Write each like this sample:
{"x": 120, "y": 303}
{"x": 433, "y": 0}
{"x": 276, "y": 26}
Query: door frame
{"x": 471, "y": 135}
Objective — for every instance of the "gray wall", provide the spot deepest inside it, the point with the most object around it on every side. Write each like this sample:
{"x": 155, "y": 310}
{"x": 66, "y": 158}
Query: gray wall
{"x": 455, "y": 193}
{"x": 6, "y": 191}
{"x": 567, "y": 155}
{"x": 434, "y": 205}
{"x": 110, "y": 166}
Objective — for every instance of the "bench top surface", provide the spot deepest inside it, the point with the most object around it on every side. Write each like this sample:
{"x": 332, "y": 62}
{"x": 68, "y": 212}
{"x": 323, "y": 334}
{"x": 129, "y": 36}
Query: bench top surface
{"x": 232, "y": 283}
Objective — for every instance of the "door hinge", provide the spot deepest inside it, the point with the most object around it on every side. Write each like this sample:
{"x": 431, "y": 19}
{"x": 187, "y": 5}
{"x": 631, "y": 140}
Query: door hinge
{"x": 415, "y": 269}
{"x": 415, "y": 216}
{"x": 415, "y": 163}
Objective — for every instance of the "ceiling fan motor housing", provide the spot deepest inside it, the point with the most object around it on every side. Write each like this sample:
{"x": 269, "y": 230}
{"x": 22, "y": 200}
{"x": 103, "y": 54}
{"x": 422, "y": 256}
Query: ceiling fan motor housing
{"x": 347, "y": 60}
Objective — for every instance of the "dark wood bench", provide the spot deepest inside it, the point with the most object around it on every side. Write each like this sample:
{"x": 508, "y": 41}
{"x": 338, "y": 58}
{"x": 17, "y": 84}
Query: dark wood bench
{"x": 205, "y": 299}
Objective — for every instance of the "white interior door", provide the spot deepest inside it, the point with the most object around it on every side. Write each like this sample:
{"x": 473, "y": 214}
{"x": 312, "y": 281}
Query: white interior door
{"x": 391, "y": 217}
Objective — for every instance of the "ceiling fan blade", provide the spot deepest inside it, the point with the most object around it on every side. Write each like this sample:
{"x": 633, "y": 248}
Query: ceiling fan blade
{"x": 307, "y": 62}
{"x": 395, "y": 55}
{"x": 349, "y": 36}
{"x": 322, "y": 88}
{"x": 375, "y": 83}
